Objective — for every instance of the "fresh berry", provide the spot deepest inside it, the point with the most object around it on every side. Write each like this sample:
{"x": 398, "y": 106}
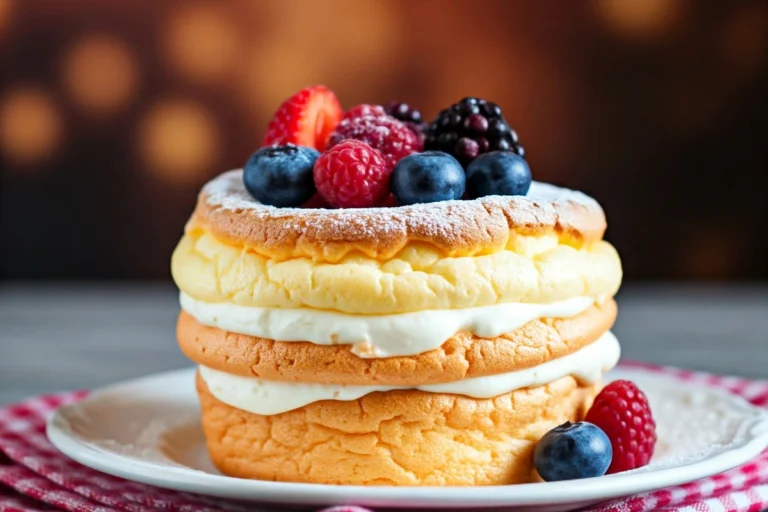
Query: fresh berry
{"x": 408, "y": 115}
{"x": 427, "y": 177}
{"x": 384, "y": 133}
{"x": 316, "y": 201}
{"x": 467, "y": 147}
{"x": 281, "y": 175}
{"x": 572, "y": 450}
{"x": 389, "y": 202}
{"x": 621, "y": 409}
{"x": 500, "y": 173}
{"x": 352, "y": 174}
{"x": 363, "y": 111}
{"x": 305, "y": 119}
{"x": 471, "y": 119}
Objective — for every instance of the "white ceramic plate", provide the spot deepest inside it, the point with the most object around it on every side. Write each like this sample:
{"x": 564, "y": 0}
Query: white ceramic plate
{"x": 147, "y": 430}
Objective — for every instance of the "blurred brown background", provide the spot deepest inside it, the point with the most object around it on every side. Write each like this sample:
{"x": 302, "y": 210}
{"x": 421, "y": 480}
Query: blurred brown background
{"x": 113, "y": 114}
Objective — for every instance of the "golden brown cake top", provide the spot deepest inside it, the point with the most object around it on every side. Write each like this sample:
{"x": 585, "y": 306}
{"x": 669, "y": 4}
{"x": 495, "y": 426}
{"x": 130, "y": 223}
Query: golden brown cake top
{"x": 457, "y": 228}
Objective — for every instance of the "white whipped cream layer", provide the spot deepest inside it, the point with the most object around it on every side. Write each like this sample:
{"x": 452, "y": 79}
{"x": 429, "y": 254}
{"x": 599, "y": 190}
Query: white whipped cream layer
{"x": 266, "y": 397}
{"x": 404, "y": 334}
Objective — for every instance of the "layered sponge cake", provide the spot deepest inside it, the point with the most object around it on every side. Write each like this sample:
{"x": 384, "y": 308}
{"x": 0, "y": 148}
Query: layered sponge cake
{"x": 421, "y": 344}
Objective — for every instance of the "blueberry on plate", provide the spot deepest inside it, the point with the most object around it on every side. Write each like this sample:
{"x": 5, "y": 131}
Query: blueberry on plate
{"x": 498, "y": 173}
{"x": 571, "y": 451}
{"x": 281, "y": 175}
{"x": 427, "y": 177}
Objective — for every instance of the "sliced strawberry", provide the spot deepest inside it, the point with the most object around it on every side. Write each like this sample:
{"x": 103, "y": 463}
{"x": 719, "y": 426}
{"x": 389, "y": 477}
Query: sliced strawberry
{"x": 305, "y": 119}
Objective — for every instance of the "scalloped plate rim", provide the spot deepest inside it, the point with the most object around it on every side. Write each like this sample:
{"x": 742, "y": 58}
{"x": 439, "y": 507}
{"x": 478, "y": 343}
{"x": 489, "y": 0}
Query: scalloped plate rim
{"x": 575, "y": 492}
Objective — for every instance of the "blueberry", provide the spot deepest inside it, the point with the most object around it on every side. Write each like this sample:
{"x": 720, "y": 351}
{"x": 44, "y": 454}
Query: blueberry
{"x": 281, "y": 175}
{"x": 573, "y": 450}
{"x": 500, "y": 173}
{"x": 427, "y": 177}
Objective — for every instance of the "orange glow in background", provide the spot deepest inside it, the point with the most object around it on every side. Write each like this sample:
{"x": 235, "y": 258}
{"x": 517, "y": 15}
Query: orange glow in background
{"x": 178, "y": 141}
{"x": 100, "y": 73}
{"x": 640, "y": 20}
{"x": 201, "y": 42}
{"x": 5, "y": 13}
{"x": 646, "y": 104}
{"x": 30, "y": 125}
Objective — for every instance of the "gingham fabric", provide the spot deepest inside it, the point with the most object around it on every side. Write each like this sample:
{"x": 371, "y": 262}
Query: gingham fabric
{"x": 34, "y": 476}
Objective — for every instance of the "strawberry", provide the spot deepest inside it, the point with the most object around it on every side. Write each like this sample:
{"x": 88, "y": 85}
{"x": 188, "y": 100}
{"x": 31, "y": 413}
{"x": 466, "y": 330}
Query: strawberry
{"x": 305, "y": 119}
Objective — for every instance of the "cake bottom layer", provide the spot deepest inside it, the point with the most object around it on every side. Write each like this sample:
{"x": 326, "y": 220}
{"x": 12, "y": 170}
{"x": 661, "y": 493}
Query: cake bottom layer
{"x": 403, "y": 437}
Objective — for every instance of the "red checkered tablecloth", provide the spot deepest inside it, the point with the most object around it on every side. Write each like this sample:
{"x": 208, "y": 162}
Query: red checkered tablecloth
{"x": 34, "y": 476}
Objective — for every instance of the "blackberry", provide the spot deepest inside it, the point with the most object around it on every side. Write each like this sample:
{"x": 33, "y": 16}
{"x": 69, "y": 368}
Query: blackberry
{"x": 407, "y": 114}
{"x": 469, "y": 128}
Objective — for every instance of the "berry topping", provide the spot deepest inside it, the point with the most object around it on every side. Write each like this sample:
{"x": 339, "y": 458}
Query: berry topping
{"x": 305, "y": 119}
{"x": 386, "y": 134}
{"x": 572, "y": 450}
{"x": 622, "y": 411}
{"x": 403, "y": 112}
{"x": 389, "y": 201}
{"x": 497, "y": 173}
{"x": 316, "y": 201}
{"x": 467, "y": 148}
{"x": 408, "y": 115}
{"x": 474, "y": 119}
{"x": 352, "y": 174}
{"x": 281, "y": 175}
{"x": 427, "y": 177}
{"x": 363, "y": 111}
{"x": 476, "y": 123}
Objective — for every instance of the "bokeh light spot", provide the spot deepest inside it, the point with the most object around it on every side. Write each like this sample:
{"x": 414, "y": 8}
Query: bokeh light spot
{"x": 641, "y": 20}
{"x": 178, "y": 141}
{"x": 30, "y": 125}
{"x": 357, "y": 50}
{"x": 202, "y": 42}
{"x": 101, "y": 74}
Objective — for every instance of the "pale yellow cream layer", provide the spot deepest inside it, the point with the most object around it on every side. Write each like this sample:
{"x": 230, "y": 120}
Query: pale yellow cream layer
{"x": 530, "y": 269}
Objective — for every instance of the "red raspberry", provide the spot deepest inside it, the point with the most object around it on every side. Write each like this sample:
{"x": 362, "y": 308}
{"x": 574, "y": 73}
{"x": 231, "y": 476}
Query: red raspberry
{"x": 386, "y": 134}
{"x": 316, "y": 201}
{"x": 364, "y": 110}
{"x": 389, "y": 202}
{"x": 305, "y": 119}
{"x": 352, "y": 174}
{"x": 622, "y": 411}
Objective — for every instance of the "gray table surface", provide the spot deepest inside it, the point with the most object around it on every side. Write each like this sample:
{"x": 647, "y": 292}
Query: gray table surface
{"x": 74, "y": 335}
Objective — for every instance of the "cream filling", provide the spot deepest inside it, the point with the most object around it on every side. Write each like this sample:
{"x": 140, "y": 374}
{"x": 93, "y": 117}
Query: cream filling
{"x": 404, "y": 334}
{"x": 267, "y": 397}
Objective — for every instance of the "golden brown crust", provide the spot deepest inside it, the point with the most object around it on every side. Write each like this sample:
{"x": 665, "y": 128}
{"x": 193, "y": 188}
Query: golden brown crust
{"x": 457, "y": 228}
{"x": 393, "y": 438}
{"x": 463, "y": 356}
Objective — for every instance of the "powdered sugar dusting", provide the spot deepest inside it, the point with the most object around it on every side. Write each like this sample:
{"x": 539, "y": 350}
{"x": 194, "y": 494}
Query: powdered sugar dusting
{"x": 227, "y": 192}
